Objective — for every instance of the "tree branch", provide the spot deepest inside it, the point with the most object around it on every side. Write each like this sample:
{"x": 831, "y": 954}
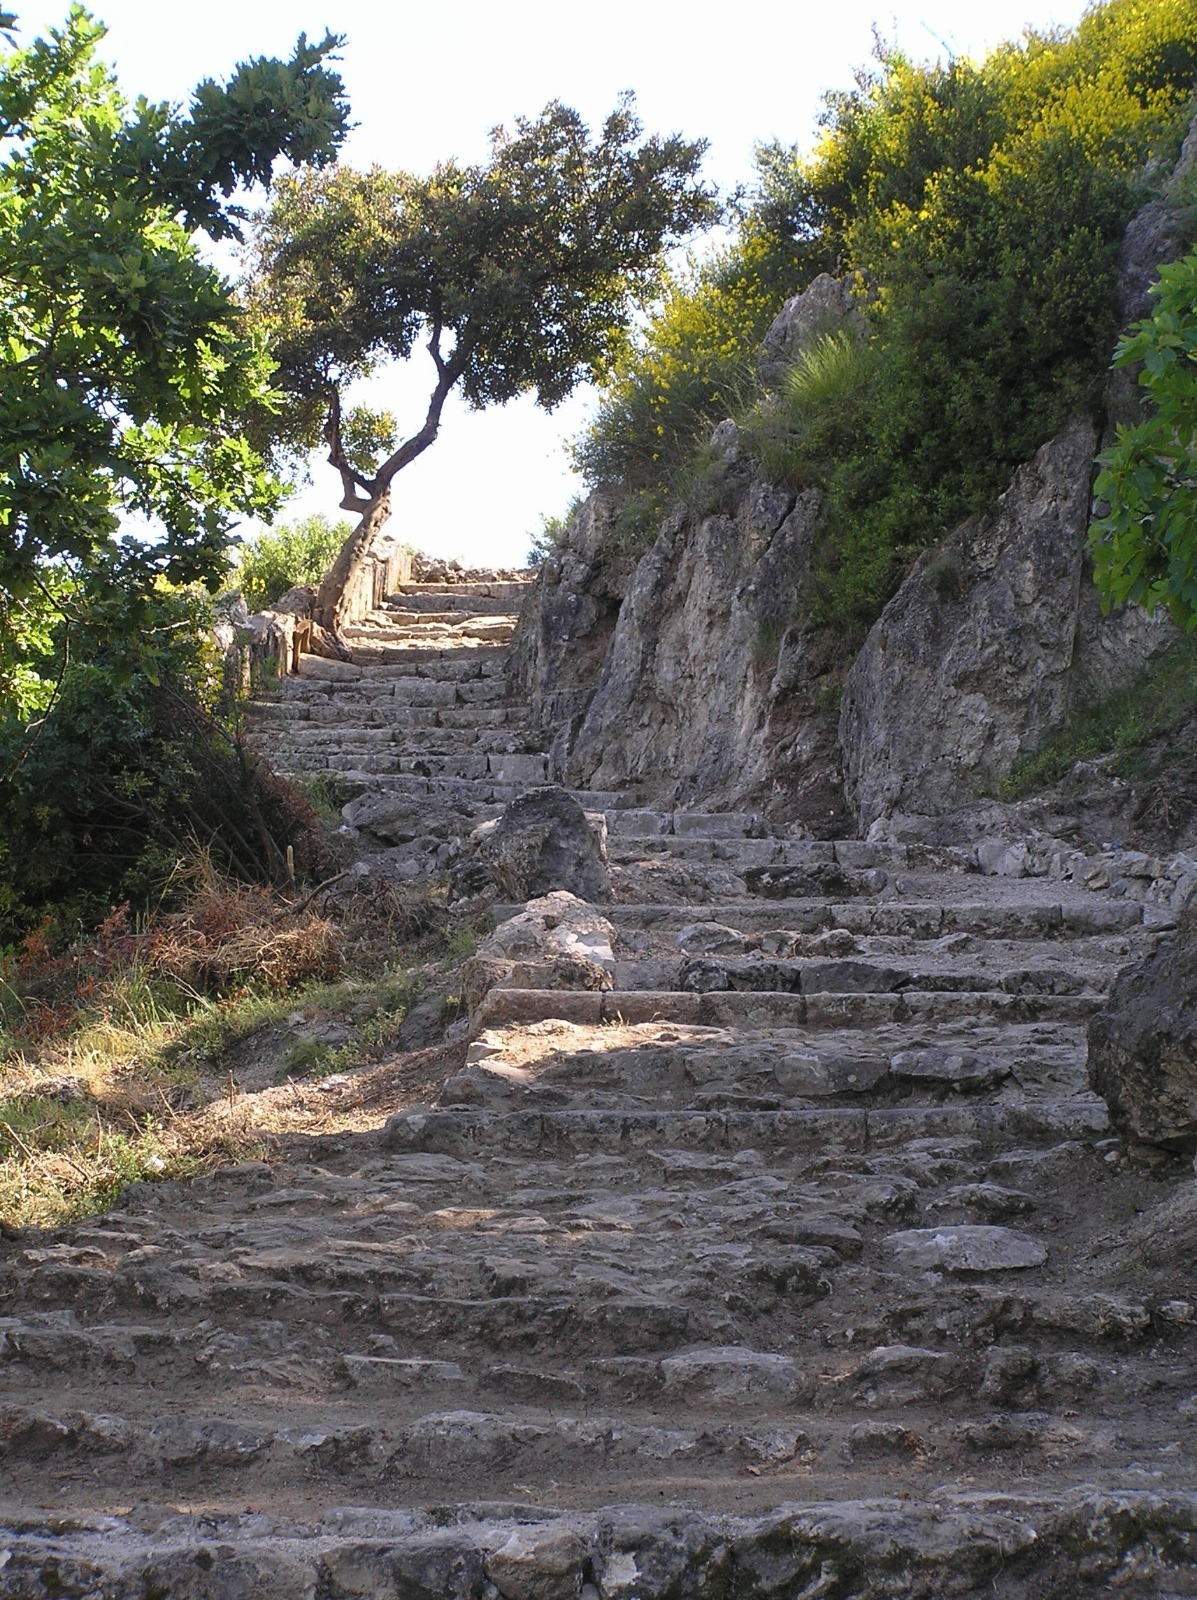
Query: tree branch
{"x": 355, "y": 489}
{"x": 449, "y": 370}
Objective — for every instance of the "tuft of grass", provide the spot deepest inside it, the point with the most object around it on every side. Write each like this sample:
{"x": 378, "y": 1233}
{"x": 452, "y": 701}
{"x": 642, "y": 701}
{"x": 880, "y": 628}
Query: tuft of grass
{"x": 794, "y": 436}
{"x": 61, "y": 1162}
{"x": 1119, "y": 727}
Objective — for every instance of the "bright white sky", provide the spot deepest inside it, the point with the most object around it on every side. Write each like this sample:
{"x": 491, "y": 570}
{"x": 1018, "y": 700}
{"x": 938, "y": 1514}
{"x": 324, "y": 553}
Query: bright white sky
{"x": 427, "y": 81}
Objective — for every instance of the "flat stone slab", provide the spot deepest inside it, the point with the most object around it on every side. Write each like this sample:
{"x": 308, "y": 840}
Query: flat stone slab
{"x": 967, "y": 1247}
{"x": 957, "y": 1069}
{"x": 731, "y": 1372}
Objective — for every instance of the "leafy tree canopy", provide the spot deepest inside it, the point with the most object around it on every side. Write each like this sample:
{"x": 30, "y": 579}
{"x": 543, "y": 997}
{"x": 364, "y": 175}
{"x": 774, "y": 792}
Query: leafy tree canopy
{"x": 1145, "y": 546}
{"x": 518, "y": 273}
{"x": 124, "y": 362}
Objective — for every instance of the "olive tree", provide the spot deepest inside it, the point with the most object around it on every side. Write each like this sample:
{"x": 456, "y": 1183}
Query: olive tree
{"x": 517, "y": 274}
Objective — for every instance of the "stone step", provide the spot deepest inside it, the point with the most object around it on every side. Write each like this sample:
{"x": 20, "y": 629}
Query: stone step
{"x": 645, "y": 1065}
{"x": 730, "y": 1008}
{"x": 512, "y": 773}
{"x": 513, "y": 589}
{"x": 392, "y": 689}
{"x": 444, "y": 665}
{"x": 847, "y": 1130}
{"x": 1017, "y": 910}
{"x": 965, "y": 1539}
{"x": 979, "y": 970}
{"x": 428, "y": 740}
{"x": 650, "y": 829}
{"x": 270, "y": 718}
{"x": 398, "y": 645}
{"x": 398, "y": 624}
{"x": 449, "y": 601}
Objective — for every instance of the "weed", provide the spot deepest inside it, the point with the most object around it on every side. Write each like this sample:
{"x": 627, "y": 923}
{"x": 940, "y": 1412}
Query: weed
{"x": 1118, "y": 727}
{"x": 460, "y": 942}
{"x": 946, "y": 573}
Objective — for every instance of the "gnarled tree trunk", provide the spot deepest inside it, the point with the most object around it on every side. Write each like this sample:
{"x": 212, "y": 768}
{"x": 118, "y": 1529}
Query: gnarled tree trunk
{"x": 333, "y": 598}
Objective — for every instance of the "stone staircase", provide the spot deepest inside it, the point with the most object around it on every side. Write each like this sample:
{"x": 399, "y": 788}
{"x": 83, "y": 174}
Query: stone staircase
{"x": 419, "y": 725}
{"x": 798, "y": 1262}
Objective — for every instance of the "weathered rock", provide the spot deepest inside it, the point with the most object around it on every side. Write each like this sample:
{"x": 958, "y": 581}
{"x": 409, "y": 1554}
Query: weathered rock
{"x": 957, "y": 1069}
{"x": 826, "y": 306}
{"x": 676, "y": 666}
{"x": 967, "y": 1247}
{"x": 710, "y": 938}
{"x": 956, "y": 681}
{"x": 1143, "y": 1045}
{"x": 538, "y": 1564}
{"x": 813, "y": 1075}
{"x": 731, "y": 1373}
{"x": 542, "y": 842}
{"x": 555, "y": 924}
{"x": 482, "y": 973}
{"x": 900, "y": 1374}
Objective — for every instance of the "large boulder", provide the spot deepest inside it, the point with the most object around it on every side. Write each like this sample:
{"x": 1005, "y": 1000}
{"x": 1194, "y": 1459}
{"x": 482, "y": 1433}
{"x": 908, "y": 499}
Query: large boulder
{"x": 1143, "y": 1045}
{"x": 556, "y": 942}
{"x": 543, "y": 841}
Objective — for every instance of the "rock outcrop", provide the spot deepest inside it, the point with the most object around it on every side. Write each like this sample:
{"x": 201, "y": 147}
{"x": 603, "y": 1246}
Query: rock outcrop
{"x": 826, "y": 306}
{"x": 994, "y": 639}
{"x": 698, "y": 659}
{"x": 968, "y": 666}
{"x": 1143, "y": 1045}
{"x": 696, "y": 663}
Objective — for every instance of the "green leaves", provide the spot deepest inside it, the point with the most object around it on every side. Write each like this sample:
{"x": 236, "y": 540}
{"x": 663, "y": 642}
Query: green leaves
{"x": 1145, "y": 545}
{"x": 520, "y": 273}
{"x": 125, "y": 365}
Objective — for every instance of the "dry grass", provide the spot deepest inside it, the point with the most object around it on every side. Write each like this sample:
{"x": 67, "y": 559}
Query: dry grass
{"x": 142, "y": 1052}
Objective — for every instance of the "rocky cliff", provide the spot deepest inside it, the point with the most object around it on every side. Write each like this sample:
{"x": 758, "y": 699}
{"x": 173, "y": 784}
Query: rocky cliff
{"x": 685, "y": 664}
{"x": 691, "y": 661}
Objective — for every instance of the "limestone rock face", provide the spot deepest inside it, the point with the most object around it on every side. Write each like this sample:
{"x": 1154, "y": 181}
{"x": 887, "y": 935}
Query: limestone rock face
{"x": 968, "y": 665}
{"x": 564, "y": 630}
{"x": 683, "y": 687}
{"x": 703, "y": 671}
{"x": 825, "y": 306}
{"x": 1143, "y": 1045}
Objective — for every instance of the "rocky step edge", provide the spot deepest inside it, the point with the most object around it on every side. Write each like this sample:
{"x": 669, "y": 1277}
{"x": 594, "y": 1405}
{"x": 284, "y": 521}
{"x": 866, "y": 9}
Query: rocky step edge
{"x": 1137, "y": 1543}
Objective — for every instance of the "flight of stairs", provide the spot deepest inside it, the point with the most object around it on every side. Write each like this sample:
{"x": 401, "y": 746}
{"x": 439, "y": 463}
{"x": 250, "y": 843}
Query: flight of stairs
{"x": 799, "y": 1262}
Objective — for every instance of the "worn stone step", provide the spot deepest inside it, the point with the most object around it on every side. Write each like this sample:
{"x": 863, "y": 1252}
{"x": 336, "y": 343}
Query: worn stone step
{"x": 964, "y": 1542}
{"x": 514, "y": 770}
{"x": 449, "y": 602}
{"x": 950, "y": 907}
{"x": 428, "y": 740}
{"x": 464, "y": 1133}
{"x": 726, "y": 1069}
{"x": 975, "y": 971}
{"x": 729, "y": 1008}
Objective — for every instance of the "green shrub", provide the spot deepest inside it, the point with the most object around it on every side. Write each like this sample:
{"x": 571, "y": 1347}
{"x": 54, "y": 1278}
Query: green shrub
{"x": 1145, "y": 544}
{"x": 980, "y": 207}
{"x": 292, "y": 553}
{"x": 129, "y": 772}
